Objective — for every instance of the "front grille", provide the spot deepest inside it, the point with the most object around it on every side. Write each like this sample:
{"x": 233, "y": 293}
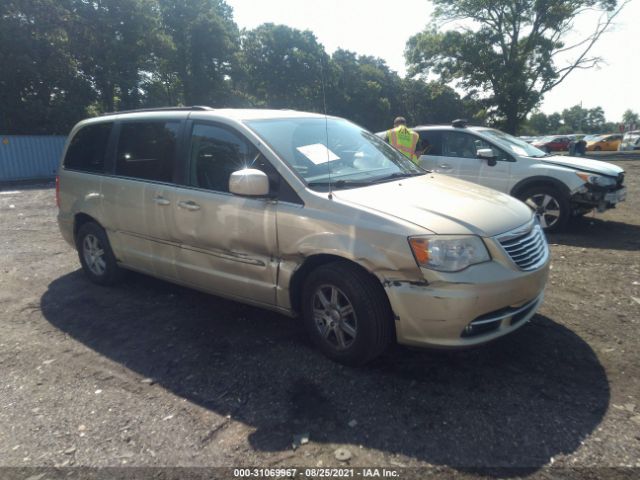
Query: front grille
{"x": 620, "y": 179}
{"x": 529, "y": 250}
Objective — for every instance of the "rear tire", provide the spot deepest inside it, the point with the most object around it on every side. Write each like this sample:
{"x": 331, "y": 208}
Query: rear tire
{"x": 346, "y": 313}
{"x": 96, "y": 256}
{"x": 550, "y": 206}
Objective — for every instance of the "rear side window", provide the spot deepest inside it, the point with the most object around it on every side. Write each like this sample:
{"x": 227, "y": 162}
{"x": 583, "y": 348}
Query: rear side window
{"x": 147, "y": 150}
{"x": 431, "y": 142}
{"x": 88, "y": 148}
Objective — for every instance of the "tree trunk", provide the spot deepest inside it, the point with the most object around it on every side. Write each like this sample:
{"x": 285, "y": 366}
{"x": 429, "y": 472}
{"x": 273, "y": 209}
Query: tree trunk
{"x": 108, "y": 103}
{"x": 511, "y": 118}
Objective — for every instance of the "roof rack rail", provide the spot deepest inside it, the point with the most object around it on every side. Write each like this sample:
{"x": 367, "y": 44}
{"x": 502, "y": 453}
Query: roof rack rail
{"x": 160, "y": 109}
{"x": 459, "y": 123}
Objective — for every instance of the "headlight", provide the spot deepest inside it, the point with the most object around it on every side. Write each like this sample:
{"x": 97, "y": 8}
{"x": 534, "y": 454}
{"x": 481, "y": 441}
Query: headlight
{"x": 448, "y": 253}
{"x": 598, "y": 180}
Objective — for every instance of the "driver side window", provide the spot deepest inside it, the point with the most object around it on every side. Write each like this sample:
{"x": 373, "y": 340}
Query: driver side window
{"x": 497, "y": 153}
{"x": 215, "y": 153}
{"x": 458, "y": 144}
{"x": 464, "y": 145}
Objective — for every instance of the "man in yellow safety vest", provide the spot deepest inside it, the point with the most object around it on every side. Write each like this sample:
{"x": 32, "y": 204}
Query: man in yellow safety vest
{"x": 404, "y": 139}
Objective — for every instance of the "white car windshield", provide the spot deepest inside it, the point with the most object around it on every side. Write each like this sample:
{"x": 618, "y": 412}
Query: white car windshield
{"x": 513, "y": 144}
{"x": 333, "y": 152}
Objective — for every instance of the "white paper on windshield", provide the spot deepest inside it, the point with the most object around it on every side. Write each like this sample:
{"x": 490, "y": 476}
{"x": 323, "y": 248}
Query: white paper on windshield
{"x": 318, "y": 153}
{"x": 519, "y": 150}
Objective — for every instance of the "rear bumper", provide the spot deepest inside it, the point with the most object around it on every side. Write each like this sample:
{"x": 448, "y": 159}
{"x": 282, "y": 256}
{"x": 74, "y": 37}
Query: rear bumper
{"x": 65, "y": 223}
{"x": 458, "y": 315}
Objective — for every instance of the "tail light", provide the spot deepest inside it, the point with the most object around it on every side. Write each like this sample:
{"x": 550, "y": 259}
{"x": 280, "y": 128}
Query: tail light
{"x": 58, "y": 191}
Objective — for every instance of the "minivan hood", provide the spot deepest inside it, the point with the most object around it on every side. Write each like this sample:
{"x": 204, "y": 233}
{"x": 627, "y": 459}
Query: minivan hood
{"x": 585, "y": 164}
{"x": 443, "y": 205}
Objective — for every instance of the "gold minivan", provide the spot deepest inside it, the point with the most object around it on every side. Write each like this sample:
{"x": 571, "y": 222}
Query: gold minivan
{"x": 305, "y": 214}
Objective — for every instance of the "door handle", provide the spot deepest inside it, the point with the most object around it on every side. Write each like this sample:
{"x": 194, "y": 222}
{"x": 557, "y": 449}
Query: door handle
{"x": 189, "y": 205}
{"x": 444, "y": 166}
{"x": 161, "y": 201}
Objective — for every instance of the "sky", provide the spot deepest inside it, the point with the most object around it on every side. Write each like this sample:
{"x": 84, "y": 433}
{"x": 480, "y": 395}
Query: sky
{"x": 381, "y": 29}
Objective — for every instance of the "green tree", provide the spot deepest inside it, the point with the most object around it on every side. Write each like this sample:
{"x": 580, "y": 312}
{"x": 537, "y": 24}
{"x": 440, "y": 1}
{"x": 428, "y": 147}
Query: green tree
{"x": 363, "y": 89}
{"x": 203, "y": 41}
{"x": 575, "y": 118}
{"x": 41, "y": 89}
{"x": 431, "y": 102}
{"x": 554, "y": 123}
{"x": 283, "y": 67}
{"x": 595, "y": 121}
{"x": 629, "y": 117}
{"x": 536, "y": 124}
{"x": 114, "y": 41}
{"x": 510, "y": 53}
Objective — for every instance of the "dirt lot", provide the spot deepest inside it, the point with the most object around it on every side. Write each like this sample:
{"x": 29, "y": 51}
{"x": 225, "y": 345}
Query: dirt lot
{"x": 150, "y": 374}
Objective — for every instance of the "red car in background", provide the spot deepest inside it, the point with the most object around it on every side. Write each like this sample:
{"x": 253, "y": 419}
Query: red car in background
{"x": 553, "y": 144}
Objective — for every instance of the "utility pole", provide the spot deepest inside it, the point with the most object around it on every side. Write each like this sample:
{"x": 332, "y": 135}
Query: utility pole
{"x": 581, "y": 116}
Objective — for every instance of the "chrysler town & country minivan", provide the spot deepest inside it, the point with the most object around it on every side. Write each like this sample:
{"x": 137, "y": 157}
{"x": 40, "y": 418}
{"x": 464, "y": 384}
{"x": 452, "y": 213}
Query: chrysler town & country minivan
{"x": 305, "y": 214}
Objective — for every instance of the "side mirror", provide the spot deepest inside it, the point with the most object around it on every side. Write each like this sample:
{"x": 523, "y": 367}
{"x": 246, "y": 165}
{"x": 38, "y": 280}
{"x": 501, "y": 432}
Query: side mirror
{"x": 487, "y": 154}
{"x": 249, "y": 182}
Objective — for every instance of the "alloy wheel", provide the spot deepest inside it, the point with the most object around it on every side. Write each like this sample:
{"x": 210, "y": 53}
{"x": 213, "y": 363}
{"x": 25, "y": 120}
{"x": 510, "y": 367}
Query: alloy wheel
{"x": 94, "y": 254}
{"x": 546, "y": 208}
{"x": 334, "y": 317}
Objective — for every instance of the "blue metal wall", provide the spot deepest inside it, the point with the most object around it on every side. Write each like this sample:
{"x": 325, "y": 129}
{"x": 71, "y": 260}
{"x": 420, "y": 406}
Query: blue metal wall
{"x": 26, "y": 157}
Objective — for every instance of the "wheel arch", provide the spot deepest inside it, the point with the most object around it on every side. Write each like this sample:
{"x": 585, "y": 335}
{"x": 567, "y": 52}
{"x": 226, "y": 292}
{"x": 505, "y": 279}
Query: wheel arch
{"x": 539, "y": 180}
{"x": 312, "y": 262}
{"x": 81, "y": 219}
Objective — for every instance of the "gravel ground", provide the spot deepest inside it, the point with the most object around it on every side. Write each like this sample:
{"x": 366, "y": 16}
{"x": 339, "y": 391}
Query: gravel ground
{"x": 151, "y": 374}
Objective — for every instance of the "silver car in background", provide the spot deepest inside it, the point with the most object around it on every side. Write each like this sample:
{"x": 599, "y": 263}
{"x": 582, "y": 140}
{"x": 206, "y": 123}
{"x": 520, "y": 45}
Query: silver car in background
{"x": 630, "y": 141}
{"x": 555, "y": 187}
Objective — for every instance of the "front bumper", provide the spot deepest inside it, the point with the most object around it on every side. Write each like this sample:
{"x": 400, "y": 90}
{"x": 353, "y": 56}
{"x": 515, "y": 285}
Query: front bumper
{"x": 599, "y": 198}
{"x": 629, "y": 147}
{"x": 495, "y": 300}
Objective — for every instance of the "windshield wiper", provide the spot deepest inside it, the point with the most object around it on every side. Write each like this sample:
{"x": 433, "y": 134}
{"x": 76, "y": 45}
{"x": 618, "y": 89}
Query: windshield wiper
{"x": 396, "y": 175}
{"x": 340, "y": 184}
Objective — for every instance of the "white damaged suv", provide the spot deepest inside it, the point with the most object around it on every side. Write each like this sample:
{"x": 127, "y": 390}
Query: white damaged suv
{"x": 555, "y": 187}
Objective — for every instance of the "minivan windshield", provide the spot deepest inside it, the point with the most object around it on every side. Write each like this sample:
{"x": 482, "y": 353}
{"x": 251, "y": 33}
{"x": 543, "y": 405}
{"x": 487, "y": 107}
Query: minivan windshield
{"x": 513, "y": 144}
{"x": 333, "y": 152}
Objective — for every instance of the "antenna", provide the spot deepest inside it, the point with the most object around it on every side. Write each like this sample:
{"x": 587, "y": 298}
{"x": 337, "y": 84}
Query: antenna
{"x": 326, "y": 127}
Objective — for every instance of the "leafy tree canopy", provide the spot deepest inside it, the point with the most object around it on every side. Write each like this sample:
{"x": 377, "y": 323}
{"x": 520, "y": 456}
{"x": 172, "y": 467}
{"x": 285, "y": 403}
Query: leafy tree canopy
{"x": 630, "y": 117}
{"x": 42, "y": 89}
{"x": 505, "y": 51}
{"x": 571, "y": 120}
{"x": 66, "y": 59}
{"x": 283, "y": 67}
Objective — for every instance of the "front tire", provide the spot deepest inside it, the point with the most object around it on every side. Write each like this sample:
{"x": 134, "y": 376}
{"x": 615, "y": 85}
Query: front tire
{"x": 96, "y": 256}
{"x": 346, "y": 313}
{"x": 550, "y": 206}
